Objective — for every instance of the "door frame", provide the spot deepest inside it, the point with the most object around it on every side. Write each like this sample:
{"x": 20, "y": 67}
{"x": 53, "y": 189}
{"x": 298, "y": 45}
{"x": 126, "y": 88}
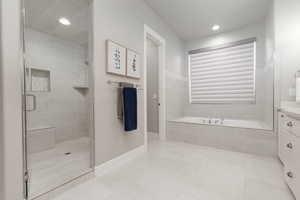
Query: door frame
{"x": 149, "y": 33}
{"x": 91, "y": 108}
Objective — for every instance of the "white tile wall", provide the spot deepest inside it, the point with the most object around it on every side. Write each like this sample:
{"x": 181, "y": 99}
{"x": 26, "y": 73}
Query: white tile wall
{"x": 63, "y": 108}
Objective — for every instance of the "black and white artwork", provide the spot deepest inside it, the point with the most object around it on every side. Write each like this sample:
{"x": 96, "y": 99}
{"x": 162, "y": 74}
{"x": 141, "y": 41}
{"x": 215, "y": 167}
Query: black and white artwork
{"x": 116, "y": 58}
{"x": 133, "y": 64}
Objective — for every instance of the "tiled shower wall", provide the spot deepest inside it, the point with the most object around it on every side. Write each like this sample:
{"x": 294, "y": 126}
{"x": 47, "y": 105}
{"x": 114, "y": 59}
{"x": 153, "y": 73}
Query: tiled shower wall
{"x": 64, "y": 108}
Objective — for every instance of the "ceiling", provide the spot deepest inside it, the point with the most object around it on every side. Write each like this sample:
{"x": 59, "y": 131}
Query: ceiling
{"x": 190, "y": 19}
{"x": 193, "y": 19}
{"x": 43, "y": 15}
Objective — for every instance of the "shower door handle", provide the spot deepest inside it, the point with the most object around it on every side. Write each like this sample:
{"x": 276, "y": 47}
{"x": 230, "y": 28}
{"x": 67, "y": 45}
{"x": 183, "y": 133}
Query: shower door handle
{"x": 33, "y": 102}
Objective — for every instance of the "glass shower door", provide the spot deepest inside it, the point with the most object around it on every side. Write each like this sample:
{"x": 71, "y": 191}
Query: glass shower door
{"x": 58, "y": 96}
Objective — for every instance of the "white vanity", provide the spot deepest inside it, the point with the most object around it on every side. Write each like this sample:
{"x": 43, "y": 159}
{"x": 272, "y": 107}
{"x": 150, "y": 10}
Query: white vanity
{"x": 289, "y": 146}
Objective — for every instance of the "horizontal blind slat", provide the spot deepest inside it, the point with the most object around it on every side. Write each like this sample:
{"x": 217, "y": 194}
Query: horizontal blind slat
{"x": 223, "y": 75}
{"x": 228, "y": 79}
{"x": 219, "y": 101}
{"x": 229, "y": 83}
{"x": 213, "y": 52}
{"x": 222, "y": 87}
{"x": 221, "y": 70}
{"x": 245, "y": 91}
{"x": 221, "y": 57}
{"x": 223, "y": 60}
{"x": 221, "y": 54}
{"x": 202, "y": 68}
{"x": 223, "y": 96}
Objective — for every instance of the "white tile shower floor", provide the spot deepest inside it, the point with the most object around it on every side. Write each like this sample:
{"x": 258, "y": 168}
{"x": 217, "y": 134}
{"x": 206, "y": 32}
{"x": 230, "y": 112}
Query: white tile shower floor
{"x": 179, "y": 171}
{"x": 51, "y": 168}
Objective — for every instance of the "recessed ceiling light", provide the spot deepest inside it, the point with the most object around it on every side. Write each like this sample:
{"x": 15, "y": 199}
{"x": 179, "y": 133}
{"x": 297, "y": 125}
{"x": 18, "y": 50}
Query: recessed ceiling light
{"x": 64, "y": 21}
{"x": 215, "y": 27}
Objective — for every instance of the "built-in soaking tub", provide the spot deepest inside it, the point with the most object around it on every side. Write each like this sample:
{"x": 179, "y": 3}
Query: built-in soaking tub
{"x": 252, "y": 124}
{"x": 247, "y": 136}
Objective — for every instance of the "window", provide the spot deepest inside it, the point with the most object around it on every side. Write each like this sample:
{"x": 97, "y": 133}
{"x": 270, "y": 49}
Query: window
{"x": 223, "y": 74}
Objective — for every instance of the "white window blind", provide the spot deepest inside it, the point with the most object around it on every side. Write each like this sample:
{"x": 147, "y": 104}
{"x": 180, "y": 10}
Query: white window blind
{"x": 223, "y": 74}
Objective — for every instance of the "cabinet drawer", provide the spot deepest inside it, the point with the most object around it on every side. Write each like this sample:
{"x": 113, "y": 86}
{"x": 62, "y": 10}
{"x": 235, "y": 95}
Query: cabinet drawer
{"x": 285, "y": 150}
{"x": 290, "y": 124}
{"x": 289, "y": 149}
{"x": 291, "y": 177}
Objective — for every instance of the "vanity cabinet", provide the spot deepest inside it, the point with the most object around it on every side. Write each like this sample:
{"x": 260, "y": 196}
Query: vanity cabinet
{"x": 289, "y": 150}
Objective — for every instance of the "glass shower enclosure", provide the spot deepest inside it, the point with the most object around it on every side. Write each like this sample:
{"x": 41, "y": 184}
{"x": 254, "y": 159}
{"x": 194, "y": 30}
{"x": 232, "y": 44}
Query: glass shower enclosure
{"x": 58, "y": 109}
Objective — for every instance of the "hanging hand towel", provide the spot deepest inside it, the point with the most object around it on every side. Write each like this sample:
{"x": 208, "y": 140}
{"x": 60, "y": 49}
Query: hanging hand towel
{"x": 130, "y": 108}
{"x": 120, "y": 104}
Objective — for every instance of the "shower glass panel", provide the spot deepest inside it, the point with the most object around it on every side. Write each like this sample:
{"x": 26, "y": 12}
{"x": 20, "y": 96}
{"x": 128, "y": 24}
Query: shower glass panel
{"x": 59, "y": 134}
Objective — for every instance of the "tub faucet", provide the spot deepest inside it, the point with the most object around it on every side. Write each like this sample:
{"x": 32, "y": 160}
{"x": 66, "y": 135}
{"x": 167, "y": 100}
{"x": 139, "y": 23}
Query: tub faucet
{"x": 222, "y": 120}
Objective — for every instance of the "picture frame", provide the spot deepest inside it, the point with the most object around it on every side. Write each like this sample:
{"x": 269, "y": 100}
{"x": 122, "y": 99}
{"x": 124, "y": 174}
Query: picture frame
{"x": 133, "y": 66}
{"x": 116, "y": 58}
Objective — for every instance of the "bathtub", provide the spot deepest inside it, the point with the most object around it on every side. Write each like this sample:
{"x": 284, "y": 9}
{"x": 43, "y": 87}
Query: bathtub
{"x": 251, "y": 124}
{"x": 247, "y": 136}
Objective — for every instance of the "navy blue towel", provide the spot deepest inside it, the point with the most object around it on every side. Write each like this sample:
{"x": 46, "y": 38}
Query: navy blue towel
{"x": 130, "y": 108}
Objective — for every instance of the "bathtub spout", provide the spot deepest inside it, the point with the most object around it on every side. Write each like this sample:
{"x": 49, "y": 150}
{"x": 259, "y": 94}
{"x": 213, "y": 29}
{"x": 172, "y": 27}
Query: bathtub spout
{"x": 222, "y": 120}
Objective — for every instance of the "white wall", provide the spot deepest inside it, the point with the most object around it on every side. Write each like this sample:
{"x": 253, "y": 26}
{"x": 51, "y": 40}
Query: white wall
{"x": 287, "y": 37}
{"x": 271, "y": 70}
{"x": 64, "y": 108}
{"x": 263, "y": 85}
{"x": 1, "y": 122}
{"x": 118, "y": 21}
{"x": 152, "y": 86}
{"x": 11, "y": 100}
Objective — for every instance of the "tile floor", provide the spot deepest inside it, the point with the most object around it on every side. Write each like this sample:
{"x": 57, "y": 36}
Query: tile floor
{"x": 179, "y": 171}
{"x": 49, "y": 169}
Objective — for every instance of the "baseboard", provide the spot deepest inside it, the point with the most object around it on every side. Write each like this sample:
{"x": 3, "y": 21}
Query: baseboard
{"x": 119, "y": 161}
{"x": 153, "y": 133}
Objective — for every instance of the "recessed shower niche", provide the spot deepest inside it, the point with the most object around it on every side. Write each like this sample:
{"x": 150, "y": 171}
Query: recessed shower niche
{"x": 38, "y": 80}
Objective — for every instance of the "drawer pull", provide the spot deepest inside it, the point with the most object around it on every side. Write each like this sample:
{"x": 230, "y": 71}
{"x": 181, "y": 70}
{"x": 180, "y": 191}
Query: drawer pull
{"x": 282, "y": 116}
{"x": 289, "y": 145}
{"x": 290, "y": 124}
{"x": 290, "y": 175}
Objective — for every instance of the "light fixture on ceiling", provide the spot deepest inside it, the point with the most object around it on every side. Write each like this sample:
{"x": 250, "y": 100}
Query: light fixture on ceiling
{"x": 216, "y": 27}
{"x": 64, "y": 21}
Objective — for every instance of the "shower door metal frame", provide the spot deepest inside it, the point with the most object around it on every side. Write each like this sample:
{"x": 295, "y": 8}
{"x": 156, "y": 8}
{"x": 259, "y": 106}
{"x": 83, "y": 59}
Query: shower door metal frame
{"x": 23, "y": 65}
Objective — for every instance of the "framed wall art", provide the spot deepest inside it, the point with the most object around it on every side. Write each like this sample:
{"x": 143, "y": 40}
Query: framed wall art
{"x": 116, "y": 58}
{"x": 133, "y": 64}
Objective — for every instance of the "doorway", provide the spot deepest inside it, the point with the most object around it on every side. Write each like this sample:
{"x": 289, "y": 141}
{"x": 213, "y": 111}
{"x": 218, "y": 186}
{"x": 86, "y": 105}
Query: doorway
{"x": 58, "y": 94}
{"x": 154, "y": 82}
{"x": 152, "y": 90}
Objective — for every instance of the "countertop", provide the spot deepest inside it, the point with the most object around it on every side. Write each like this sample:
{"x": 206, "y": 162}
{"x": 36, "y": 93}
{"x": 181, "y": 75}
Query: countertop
{"x": 290, "y": 108}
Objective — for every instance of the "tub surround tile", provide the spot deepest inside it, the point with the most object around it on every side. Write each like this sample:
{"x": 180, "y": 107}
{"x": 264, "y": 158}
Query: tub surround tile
{"x": 260, "y": 142}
